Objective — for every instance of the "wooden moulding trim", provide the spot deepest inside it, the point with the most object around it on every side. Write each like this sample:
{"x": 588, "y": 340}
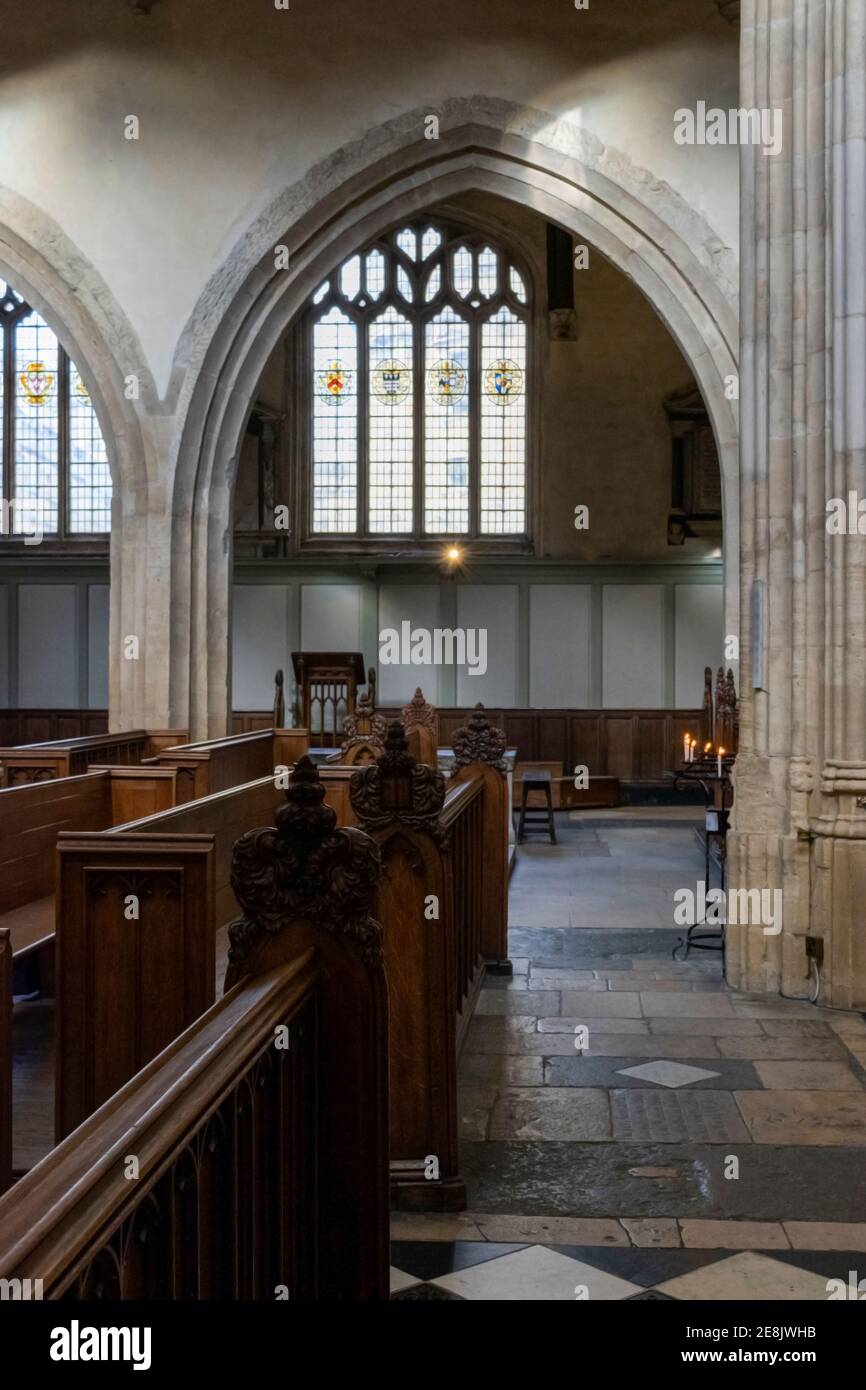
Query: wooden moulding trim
{"x": 82, "y": 741}
{"x": 458, "y": 797}
{"x": 257, "y": 736}
{"x": 68, "y": 1206}
{"x": 185, "y": 807}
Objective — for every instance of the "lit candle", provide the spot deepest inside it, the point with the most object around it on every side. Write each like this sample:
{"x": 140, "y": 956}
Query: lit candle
{"x": 708, "y": 748}
{"x": 685, "y": 748}
{"x": 719, "y": 761}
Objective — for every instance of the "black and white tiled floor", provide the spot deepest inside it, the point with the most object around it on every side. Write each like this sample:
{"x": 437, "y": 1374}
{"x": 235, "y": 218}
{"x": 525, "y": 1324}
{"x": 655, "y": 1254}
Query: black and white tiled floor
{"x": 486, "y": 1271}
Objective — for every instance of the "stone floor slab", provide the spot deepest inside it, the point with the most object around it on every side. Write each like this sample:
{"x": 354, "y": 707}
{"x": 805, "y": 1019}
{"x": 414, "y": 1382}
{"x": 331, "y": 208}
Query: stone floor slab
{"x": 590, "y": 1070}
{"x": 807, "y": 1076}
{"x": 550, "y": 1113}
{"x": 551, "y": 1230}
{"x": 734, "y": 1235}
{"x": 782, "y": 1049}
{"x": 826, "y": 1235}
{"x": 706, "y": 1027}
{"x": 501, "y": 1071}
{"x": 538, "y": 1003}
{"x": 598, "y": 1025}
{"x": 659, "y": 1233}
{"x": 804, "y": 1117}
{"x": 663, "y": 1004}
{"x": 586, "y": 1005}
{"x": 669, "y": 1117}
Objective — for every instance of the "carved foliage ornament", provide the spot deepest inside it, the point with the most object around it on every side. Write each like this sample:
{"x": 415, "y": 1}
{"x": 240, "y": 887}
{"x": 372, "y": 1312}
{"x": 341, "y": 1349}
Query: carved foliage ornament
{"x": 479, "y": 741}
{"x": 418, "y": 714}
{"x": 397, "y": 789}
{"x": 305, "y": 868}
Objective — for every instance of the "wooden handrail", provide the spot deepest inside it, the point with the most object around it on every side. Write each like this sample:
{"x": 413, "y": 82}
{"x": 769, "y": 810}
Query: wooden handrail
{"x": 69, "y": 1207}
{"x": 457, "y": 798}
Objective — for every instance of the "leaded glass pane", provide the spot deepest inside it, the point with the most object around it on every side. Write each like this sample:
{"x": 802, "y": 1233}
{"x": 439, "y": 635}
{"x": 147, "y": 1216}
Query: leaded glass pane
{"x": 461, "y": 263}
{"x": 446, "y": 424}
{"x": 350, "y": 277}
{"x": 430, "y": 242}
{"x": 335, "y": 423}
{"x": 36, "y": 442}
{"x": 488, "y": 275}
{"x": 503, "y": 425}
{"x": 4, "y": 489}
{"x": 518, "y": 289}
{"x": 321, "y": 292}
{"x": 408, "y": 243}
{"x": 404, "y": 284}
{"x": 390, "y": 415}
{"x": 434, "y": 281}
{"x": 89, "y": 481}
{"x": 375, "y": 274}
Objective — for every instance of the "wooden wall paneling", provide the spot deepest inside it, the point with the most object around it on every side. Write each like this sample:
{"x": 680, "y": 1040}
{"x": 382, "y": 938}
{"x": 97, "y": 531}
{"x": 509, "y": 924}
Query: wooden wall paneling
{"x": 585, "y": 745}
{"x": 127, "y": 985}
{"x": 552, "y": 737}
{"x": 651, "y": 743}
{"x": 7, "y": 1046}
{"x": 619, "y": 743}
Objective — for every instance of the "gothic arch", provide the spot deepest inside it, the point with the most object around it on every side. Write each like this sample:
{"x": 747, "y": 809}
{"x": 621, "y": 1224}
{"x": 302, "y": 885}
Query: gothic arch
{"x": 71, "y": 297}
{"x": 642, "y": 227}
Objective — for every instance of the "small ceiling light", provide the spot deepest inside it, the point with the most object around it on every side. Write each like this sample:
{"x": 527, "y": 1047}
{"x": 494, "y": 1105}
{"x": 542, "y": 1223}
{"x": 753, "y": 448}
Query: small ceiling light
{"x": 454, "y": 553}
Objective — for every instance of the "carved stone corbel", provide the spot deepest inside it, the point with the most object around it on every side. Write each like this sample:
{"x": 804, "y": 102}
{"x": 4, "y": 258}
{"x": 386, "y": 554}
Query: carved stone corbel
{"x": 397, "y": 788}
{"x": 479, "y": 741}
{"x": 303, "y": 867}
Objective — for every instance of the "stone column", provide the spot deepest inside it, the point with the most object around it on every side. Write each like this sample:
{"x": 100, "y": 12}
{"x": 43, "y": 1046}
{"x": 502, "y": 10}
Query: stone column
{"x": 800, "y": 778}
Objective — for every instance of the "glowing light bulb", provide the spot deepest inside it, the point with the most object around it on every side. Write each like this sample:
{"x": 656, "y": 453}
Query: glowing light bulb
{"x": 454, "y": 553}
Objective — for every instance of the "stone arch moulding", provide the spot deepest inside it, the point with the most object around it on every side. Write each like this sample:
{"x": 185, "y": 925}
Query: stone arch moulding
{"x": 662, "y": 245}
{"x": 72, "y": 298}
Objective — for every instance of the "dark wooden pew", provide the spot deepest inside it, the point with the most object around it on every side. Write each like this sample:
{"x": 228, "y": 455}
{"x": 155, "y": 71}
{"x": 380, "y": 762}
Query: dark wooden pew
{"x": 260, "y": 1133}
{"x": 33, "y": 815}
{"x": 6, "y": 1055}
{"x": 39, "y": 762}
{"x": 216, "y": 765}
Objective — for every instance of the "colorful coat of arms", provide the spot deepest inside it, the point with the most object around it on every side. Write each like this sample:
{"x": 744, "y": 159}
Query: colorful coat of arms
{"x": 503, "y": 381}
{"x": 37, "y": 383}
{"x": 446, "y": 381}
{"x": 334, "y": 383}
{"x": 392, "y": 381}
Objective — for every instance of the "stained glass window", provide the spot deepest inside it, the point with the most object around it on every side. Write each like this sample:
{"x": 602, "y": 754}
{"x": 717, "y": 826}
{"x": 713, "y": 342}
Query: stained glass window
{"x": 53, "y": 461}
{"x": 503, "y": 424}
{"x": 391, "y": 423}
{"x": 418, "y": 354}
{"x": 335, "y": 423}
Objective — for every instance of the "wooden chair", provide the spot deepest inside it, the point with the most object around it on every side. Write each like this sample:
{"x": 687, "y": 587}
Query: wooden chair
{"x": 531, "y": 817}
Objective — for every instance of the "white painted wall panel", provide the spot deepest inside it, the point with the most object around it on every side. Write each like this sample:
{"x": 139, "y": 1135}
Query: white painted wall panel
{"x": 633, "y": 646}
{"x": 259, "y": 644}
{"x": 493, "y": 607}
{"x": 331, "y": 617}
{"x": 699, "y": 640}
{"x": 48, "y": 640}
{"x": 98, "y": 599}
{"x": 559, "y": 644}
{"x": 417, "y": 604}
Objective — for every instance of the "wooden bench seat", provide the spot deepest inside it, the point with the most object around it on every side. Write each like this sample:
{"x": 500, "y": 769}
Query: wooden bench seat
{"x": 30, "y": 926}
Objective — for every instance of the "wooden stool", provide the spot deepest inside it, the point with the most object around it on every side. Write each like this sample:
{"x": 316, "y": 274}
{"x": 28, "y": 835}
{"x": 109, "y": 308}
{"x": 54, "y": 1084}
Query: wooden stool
{"x": 532, "y": 816}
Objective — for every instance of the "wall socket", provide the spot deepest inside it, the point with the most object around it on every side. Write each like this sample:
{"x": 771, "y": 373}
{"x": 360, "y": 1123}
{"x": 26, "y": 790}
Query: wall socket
{"x": 815, "y": 950}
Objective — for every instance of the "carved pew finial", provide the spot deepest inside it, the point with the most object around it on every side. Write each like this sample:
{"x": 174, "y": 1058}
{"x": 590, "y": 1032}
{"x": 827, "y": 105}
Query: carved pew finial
{"x": 304, "y": 868}
{"x": 397, "y": 788}
{"x": 364, "y": 731}
{"x": 418, "y": 714}
{"x": 279, "y": 701}
{"x": 479, "y": 741}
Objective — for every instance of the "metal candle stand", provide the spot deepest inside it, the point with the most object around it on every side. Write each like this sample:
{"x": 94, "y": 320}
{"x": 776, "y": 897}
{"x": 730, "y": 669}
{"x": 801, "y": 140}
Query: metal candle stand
{"x": 718, "y": 793}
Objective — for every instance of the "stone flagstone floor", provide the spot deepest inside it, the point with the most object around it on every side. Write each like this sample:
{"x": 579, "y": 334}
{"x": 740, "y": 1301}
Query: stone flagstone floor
{"x": 704, "y": 1144}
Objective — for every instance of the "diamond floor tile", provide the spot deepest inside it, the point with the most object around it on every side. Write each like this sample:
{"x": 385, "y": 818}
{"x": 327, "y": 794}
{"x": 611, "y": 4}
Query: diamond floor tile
{"x": 748, "y": 1276}
{"x": 671, "y": 1074}
{"x": 537, "y": 1274}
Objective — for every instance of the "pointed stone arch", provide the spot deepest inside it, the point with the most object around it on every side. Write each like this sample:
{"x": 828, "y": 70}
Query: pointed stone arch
{"x": 642, "y": 226}
{"x": 43, "y": 265}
